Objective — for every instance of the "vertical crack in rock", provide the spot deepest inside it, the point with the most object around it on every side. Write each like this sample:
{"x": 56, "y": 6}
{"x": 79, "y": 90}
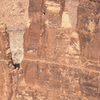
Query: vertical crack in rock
{"x": 8, "y": 74}
{"x": 15, "y": 15}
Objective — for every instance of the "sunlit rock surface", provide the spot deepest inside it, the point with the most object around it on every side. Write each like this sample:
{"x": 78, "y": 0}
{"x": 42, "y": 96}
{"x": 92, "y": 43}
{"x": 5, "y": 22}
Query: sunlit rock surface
{"x": 61, "y": 52}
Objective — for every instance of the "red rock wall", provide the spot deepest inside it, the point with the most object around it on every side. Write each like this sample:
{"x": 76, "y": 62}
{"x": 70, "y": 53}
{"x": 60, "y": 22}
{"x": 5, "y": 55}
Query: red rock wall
{"x": 61, "y": 52}
{"x": 5, "y": 63}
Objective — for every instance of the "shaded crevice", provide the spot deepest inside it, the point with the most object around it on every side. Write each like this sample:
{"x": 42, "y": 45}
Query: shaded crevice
{"x": 16, "y": 66}
{"x": 62, "y": 2}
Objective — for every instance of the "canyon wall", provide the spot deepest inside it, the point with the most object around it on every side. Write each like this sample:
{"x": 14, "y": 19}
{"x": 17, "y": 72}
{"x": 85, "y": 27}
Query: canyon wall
{"x": 61, "y": 50}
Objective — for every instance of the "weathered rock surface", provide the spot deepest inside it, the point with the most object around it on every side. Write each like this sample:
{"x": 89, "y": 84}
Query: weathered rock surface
{"x": 61, "y": 52}
{"x": 5, "y": 60}
{"x": 14, "y": 14}
{"x": 88, "y": 23}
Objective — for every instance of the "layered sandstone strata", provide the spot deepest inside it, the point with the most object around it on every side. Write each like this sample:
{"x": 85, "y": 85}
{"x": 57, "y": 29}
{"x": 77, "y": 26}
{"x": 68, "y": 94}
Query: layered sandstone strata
{"x": 61, "y": 45}
{"x": 61, "y": 53}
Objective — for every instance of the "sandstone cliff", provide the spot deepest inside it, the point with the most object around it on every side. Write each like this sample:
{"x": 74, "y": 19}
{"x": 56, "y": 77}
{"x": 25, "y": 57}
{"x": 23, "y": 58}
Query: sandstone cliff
{"x": 61, "y": 43}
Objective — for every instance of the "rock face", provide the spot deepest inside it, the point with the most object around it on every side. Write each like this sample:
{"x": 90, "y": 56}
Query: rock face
{"x": 61, "y": 53}
{"x": 5, "y": 62}
{"x": 14, "y": 14}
